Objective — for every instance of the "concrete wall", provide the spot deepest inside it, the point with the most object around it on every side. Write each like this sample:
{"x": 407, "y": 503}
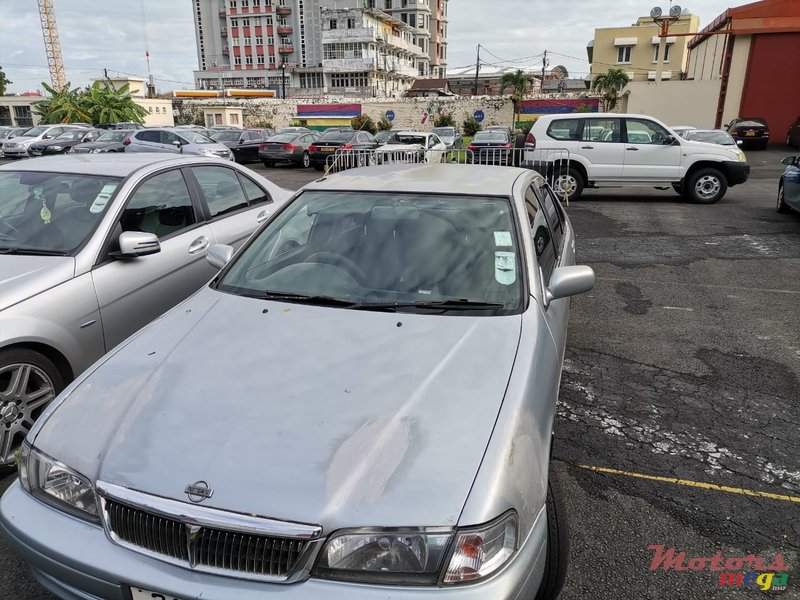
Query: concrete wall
{"x": 736, "y": 79}
{"x": 159, "y": 111}
{"x": 705, "y": 60}
{"x": 691, "y": 103}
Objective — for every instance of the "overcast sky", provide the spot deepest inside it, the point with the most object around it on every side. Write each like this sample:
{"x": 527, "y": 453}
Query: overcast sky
{"x": 97, "y": 34}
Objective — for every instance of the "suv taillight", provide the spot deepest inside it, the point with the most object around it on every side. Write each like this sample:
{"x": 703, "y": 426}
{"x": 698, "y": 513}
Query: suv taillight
{"x": 530, "y": 141}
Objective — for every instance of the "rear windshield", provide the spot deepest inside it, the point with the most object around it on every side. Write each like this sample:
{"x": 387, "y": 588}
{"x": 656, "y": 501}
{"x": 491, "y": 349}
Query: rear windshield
{"x": 751, "y": 123}
{"x": 490, "y": 136}
{"x": 336, "y": 136}
{"x": 283, "y": 137}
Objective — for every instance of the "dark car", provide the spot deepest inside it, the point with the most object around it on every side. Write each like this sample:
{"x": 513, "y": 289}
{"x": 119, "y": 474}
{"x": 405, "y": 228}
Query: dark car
{"x": 793, "y": 137}
{"x": 244, "y": 143}
{"x": 383, "y": 137}
{"x": 109, "y": 141}
{"x": 749, "y": 131}
{"x": 287, "y": 147}
{"x": 340, "y": 141}
{"x": 789, "y": 185}
{"x": 491, "y": 147}
{"x": 64, "y": 142}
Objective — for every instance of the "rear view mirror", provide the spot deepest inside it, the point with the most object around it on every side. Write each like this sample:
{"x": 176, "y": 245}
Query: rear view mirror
{"x": 133, "y": 244}
{"x": 790, "y": 160}
{"x": 219, "y": 255}
{"x": 569, "y": 281}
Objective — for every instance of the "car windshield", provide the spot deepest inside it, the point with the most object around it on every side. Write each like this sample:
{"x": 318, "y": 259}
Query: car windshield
{"x": 494, "y": 135}
{"x": 383, "y": 136}
{"x": 336, "y": 136}
{"x": 226, "y": 136}
{"x": 410, "y": 138}
{"x": 712, "y": 137}
{"x": 113, "y": 136}
{"x": 71, "y": 136}
{"x": 35, "y": 131}
{"x": 196, "y": 138}
{"x": 50, "y": 213}
{"x": 444, "y": 132}
{"x": 385, "y": 251}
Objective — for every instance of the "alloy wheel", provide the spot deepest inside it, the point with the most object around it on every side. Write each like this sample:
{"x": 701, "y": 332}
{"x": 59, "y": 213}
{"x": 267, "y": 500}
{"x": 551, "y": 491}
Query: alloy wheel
{"x": 306, "y": 160}
{"x": 565, "y": 184}
{"x": 707, "y": 187}
{"x": 25, "y": 390}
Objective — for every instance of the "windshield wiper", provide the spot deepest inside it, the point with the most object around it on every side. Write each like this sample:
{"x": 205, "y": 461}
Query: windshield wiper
{"x": 33, "y": 252}
{"x": 454, "y": 304}
{"x": 305, "y": 299}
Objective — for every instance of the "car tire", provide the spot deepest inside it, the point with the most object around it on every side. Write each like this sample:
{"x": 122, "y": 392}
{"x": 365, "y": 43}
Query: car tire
{"x": 678, "y": 188}
{"x": 574, "y": 180}
{"x": 706, "y": 186}
{"x": 782, "y": 206}
{"x": 268, "y": 163}
{"x": 44, "y": 382}
{"x": 305, "y": 161}
{"x": 557, "y": 551}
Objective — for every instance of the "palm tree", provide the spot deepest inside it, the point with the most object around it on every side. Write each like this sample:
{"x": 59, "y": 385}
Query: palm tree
{"x": 610, "y": 84}
{"x": 519, "y": 82}
{"x": 105, "y": 103}
{"x": 63, "y": 106}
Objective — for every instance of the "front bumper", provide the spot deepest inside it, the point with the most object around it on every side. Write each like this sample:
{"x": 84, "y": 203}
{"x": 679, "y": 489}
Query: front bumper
{"x": 738, "y": 172}
{"x": 75, "y": 560}
{"x": 15, "y": 152}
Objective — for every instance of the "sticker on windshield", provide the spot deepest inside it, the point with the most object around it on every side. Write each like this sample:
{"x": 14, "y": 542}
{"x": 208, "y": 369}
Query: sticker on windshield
{"x": 502, "y": 238}
{"x": 505, "y": 267}
{"x": 102, "y": 198}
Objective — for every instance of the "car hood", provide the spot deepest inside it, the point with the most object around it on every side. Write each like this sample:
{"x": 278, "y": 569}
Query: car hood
{"x": 24, "y": 276}
{"x": 98, "y": 144}
{"x": 729, "y": 152}
{"x": 21, "y": 139}
{"x": 311, "y": 414}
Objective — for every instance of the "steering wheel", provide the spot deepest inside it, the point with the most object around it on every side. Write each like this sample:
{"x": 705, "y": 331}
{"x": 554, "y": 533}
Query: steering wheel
{"x": 338, "y": 260}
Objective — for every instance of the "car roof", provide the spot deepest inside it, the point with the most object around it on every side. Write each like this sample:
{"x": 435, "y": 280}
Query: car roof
{"x": 434, "y": 178}
{"x": 118, "y": 165}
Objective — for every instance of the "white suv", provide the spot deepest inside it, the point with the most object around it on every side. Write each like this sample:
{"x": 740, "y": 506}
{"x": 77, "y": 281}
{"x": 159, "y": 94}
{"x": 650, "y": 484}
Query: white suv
{"x": 610, "y": 148}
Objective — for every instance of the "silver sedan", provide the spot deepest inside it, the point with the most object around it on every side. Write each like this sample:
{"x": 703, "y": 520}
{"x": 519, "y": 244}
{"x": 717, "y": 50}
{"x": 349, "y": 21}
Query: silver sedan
{"x": 361, "y": 405}
{"x": 94, "y": 247}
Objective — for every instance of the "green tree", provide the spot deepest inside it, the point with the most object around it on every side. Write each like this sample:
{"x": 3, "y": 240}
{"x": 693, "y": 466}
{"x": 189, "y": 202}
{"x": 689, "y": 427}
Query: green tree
{"x": 520, "y": 84}
{"x": 364, "y": 123}
{"x": 444, "y": 120}
{"x": 610, "y": 84}
{"x": 384, "y": 124}
{"x": 105, "y": 103}
{"x": 63, "y": 106}
{"x": 470, "y": 126}
{"x": 4, "y": 82}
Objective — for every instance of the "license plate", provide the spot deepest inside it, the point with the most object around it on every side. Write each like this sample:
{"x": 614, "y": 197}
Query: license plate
{"x": 751, "y": 133}
{"x": 139, "y": 594}
{"x": 326, "y": 149}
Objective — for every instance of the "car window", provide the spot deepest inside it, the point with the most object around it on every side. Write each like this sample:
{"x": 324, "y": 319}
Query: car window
{"x": 148, "y": 136}
{"x": 253, "y": 191}
{"x": 363, "y": 138}
{"x": 564, "y": 129}
{"x": 161, "y": 205}
{"x": 548, "y": 202}
{"x": 221, "y": 189}
{"x": 602, "y": 130}
{"x": 434, "y": 140}
{"x": 642, "y": 131}
{"x": 543, "y": 243}
{"x": 167, "y": 137}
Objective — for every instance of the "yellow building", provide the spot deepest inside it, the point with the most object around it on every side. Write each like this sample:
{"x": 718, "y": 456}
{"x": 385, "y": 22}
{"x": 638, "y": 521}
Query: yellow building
{"x": 635, "y": 49}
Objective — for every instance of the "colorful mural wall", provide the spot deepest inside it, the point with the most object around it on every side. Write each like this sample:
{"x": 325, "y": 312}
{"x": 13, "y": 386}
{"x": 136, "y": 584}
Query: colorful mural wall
{"x": 319, "y": 117}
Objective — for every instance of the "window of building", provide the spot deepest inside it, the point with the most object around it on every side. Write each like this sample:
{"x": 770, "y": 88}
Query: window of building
{"x": 234, "y": 22}
{"x": 268, "y": 20}
{"x": 311, "y": 80}
{"x": 23, "y": 116}
{"x": 388, "y": 5}
{"x": 245, "y": 22}
{"x": 247, "y": 41}
{"x": 272, "y": 59}
{"x": 248, "y": 60}
{"x": 346, "y": 80}
{"x": 234, "y": 119}
{"x": 232, "y": 3}
{"x": 270, "y": 41}
{"x": 245, "y": 3}
{"x": 235, "y": 41}
{"x": 351, "y": 23}
{"x": 256, "y": 3}
{"x": 332, "y": 24}
{"x": 5, "y": 115}
{"x": 237, "y": 60}
{"x": 624, "y": 54}
{"x": 261, "y": 59}
{"x": 259, "y": 40}
{"x": 344, "y": 50}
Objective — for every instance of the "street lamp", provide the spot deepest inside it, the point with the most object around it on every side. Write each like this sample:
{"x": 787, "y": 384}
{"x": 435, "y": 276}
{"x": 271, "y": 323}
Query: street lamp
{"x": 283, "y": 77}
{"x": 663, "y": 21}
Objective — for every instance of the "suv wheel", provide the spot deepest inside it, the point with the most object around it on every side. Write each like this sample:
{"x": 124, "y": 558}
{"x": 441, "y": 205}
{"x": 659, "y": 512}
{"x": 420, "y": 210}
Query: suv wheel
{"x": 569, "y": 184}
{"x": 557, "y": 551}
{"x": 706, "y": 186}
{"x": 782, "y": 206}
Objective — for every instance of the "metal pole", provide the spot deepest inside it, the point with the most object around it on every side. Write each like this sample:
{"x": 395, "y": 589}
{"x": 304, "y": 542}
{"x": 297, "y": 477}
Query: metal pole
{"x": 477, "y": 70}
{"x": 283, "y": 78}
{"x": 544, "y": 66}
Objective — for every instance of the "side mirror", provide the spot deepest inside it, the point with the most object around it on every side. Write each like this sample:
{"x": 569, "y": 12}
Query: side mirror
{"x": 739, "y": 143}
{"x": 789, "y": 161}
{"x": 177, "y": 143}
{"x": 219, "y": 255}
{"x": 133, "y": 244}
{"x": 47, "y": 136}
{"x": 569, "y": 281}
{"x": 726, "y": 125}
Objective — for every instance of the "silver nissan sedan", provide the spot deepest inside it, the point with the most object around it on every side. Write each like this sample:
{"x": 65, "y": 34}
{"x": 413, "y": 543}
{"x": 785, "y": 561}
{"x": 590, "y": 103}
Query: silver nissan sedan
{"x": 359, "y": 405}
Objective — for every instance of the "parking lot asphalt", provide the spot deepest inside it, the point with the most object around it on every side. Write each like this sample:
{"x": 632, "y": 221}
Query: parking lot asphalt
{"x": 678, "y": 414}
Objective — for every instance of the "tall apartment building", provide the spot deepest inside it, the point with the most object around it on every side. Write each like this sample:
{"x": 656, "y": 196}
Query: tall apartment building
{"x": 244, "y": 43}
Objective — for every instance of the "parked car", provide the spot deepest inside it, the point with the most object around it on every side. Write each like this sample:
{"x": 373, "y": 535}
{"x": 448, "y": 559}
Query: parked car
{"x": 683, "y": 130}
{"x": 293, "y": 130}
{"x": 450, "y": 136}
{"x": 625, "y": 149}
{"x": 265, "y": 132}
{"x": 789, "y": 185}
{"x": 243, "y": 143}
{"x": 93, "y": 248}
{"x": 18, "y": 147}
{"x": 6, "y": 133}
{"x": 793, "y": 136}
{"x": 750, "y": 132}
{"x": 491, "y": 147}
{"x": 64, "y": 142}
{"x": 178, "y": 141}
{"x": 383, "y": 137}
{"x": 287, "y": 147}
{"x": 432, "y": 302}
{"x": 337, "y": 142}
{"x": 412, "y": 147}
{"x": 715, "y": 136}
{"x": 109, "y": 141}
{"x": 122, "y": 125}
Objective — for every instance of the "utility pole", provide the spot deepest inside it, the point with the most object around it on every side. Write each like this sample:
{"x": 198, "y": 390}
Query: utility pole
{"x": 544, "y": 66}
{"x": 477, "y": 71}
{"x": 283, "y": 78}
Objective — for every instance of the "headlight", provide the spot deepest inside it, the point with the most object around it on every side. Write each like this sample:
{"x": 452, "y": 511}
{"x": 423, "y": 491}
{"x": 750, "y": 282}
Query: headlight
{"x": 56, "y": 484}
{"x": 57, "y": 148}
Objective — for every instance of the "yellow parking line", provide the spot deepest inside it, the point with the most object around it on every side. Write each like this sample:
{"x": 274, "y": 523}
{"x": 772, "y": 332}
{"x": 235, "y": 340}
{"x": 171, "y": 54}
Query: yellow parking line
{"x": 695, "y": 484}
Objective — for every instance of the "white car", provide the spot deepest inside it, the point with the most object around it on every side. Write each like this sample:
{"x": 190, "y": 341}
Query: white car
{"x": 18, "y": 146}
{"x": 412, "y": 147}
{"x": 683, "y": 130}
{"x": 581, "y": 151}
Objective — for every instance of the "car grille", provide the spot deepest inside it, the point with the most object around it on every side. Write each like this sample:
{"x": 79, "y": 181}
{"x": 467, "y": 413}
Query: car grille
{"x": 202, "y": 548}
{"x": 81, "y": 150}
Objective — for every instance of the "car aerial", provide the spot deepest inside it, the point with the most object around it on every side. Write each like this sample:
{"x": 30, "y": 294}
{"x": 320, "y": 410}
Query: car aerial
{"x": 625, "y": 149}
{"x": 432, "y": 302}
{"x": 793, "y": 135}
{"x": 682, "y": 130}
{"x": 64, "y": 142}
{"x": 345, "y": 145}
{"x": 178, "y": 141}
{"x": 293, "y": 130}
{"x": 413, "y": 147}
{"x": 108, "y": 141}
{"x": 752, "y": 132}
{"x": 243, "y": 143}
{"x": 491, "y": 147}
{"x": 450, "y": 136}
{"x": 287, "y": 147}
{"x": 18, "y": 147}
{"x": 108, "y": 243}
{"x": 789, "y": 185}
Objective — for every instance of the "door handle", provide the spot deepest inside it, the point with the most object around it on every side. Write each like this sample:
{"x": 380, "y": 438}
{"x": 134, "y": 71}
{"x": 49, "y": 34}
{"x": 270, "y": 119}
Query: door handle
{"x": 587, "y": 147}
{"x": 262, "y": 216}
{"x": 198, "y": 245}
{"x": 632, "y": 149}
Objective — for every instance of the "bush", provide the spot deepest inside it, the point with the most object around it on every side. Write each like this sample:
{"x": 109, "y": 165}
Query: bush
{"x": 364, "y": 123}
{"x": 261, "y": 124}
{"x": 470, "y": 126}
{"x": 444, "y": 120}
{"x": 525, "y": 126}
{"x": 384, "y": 124}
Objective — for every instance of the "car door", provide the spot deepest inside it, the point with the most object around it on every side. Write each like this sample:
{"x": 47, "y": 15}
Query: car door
{"x": 649, "y": 156}
{"x": 167, "y": 143}
{"x": 601, "y": 144}
{"x": 791, "y": 184}
{"x": 436, "y": 149}
{"x": 248, "y": 148}
{"x": 132, "y": 292}
{"x": 235, "y": 204}
{"x": 145, "y": 141}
